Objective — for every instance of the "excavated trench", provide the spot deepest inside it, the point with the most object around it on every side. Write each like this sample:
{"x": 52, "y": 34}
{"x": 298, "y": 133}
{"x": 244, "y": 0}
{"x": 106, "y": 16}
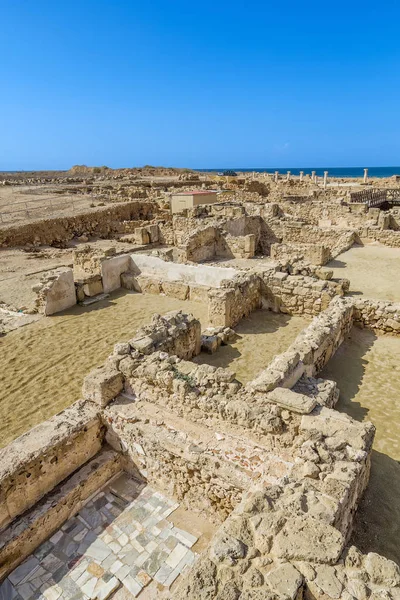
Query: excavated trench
{"x": 260, "y": 336}
{"x": 366, "y": 369}
{"x": 42, "y": 365}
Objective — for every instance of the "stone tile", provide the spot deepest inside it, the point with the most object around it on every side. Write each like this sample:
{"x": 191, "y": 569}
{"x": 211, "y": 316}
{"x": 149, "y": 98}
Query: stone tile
{"x": 98, "y": 550}
{"x": 51, "y": 593}
{"x": 168, "y": 582}
{"x": 141, "y": 558}
{"x": 183, "y": 536}
{"x": 90, "y": 516}
{"x": 57, "y": 536}
{"x": 130, "y": 557}
{"x": 114, "y": 568}
{"x": 83, "y": 578}
{"x": 26, "y": 591}
{"x": 79, "y": 568}
{"x": 163, "y": 573}
{"x": 89, "y": 586}
{"x": 123, "y": 540}
{"x": 143, "y": 578}
{"x": 123, "y": 572}
{"x": 7, "y": 590}
{"x": 104, "y": 589}
{"x": 110, "y": 560}
{"x": 176, "y": 555}
{"x": 43, "y": 550}
{"x": 132, "y": 585}
{"x": 70, "y": 588}
{"x": 154, "y": 562}
{"x": 151, "y": 546}
{"x": 95, "y": 570}
{"x": 24, "y": 569}
{"x": 51, "y": 563}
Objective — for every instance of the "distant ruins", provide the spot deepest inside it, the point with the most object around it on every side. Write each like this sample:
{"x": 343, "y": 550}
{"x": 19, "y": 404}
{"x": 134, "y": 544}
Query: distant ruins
{"x": 271, "y": 464}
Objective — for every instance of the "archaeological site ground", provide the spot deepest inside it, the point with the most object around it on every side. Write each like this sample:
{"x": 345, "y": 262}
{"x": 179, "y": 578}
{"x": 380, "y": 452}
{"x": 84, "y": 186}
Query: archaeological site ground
{"x": 199, "y": 392}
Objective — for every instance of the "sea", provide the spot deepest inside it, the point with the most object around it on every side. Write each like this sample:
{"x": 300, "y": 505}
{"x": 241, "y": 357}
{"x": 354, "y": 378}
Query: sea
{"x": 332, "y": 171}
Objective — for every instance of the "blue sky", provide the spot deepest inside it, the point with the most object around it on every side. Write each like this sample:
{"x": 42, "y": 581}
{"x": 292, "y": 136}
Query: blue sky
{"x": 207, "y": 84}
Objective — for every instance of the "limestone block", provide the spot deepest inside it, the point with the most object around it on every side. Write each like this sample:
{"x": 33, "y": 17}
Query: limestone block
{"x": 60, "y": 293}
{"x": 210, "y": 343}
{"x": 327, "y": 581}
{"x": 153, "y": 232}
{"x": 145, "y": 344}
{"x": 93, "y": 287}
{"x": 129, "y": 281}
{"x": 148, "y": 285}
{"x": 309, "y": 539}
{"x": 102, "y": 385}
{"x": 331, "y": 423}
{"x": 112, "y": 269}
{"x": 292, "y": 401}
{"x": 142, "y": 236}
{"x": 199, "y": 293}
{"x": 285, "y": 580}
{"x": 381, "y": 570}
{"x": 176, "y": 289}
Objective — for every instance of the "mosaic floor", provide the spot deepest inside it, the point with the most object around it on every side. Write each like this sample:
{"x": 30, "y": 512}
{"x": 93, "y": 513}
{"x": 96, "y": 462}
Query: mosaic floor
{"x": 119, "y": 543}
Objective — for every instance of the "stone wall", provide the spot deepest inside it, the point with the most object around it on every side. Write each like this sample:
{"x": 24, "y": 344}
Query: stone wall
{"x": 298, "y": 294}
{"x": 310, "y": 351}
{"x": 336, "y": 239}
{"x": 316, "y": 254}
{"x": 386, "y": 237}
{"x": 101, "y": 222}
{"x": 237, "y": 299}
{"x": 37, "y": 461}
{"x": 378, "y": 315}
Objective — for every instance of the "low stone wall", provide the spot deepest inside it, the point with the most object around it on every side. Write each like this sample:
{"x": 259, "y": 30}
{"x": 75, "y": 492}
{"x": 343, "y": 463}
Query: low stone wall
{"x": 316, "y": 254}
{"x": 298, "y": 294}
{"x": 378, "y": 315}
{"x": 175, "y": 332}
{"x": 102, "y": 222}
{"x": 235, "y": 300}
{"x": 336, "y": 239}
{"x": 310, "y": 351}
{"x": 386, "y": 237}
{"x": 37, "y": 461}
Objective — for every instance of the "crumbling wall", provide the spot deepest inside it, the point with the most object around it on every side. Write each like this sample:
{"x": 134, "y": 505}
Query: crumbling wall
{"x": 235, "y": 300}
{"x": 310, "y": 351}
{"x": 378, "y": 315}
{"x": 298, "y": 294}
{"x": 37, "y": 461}
{"x": 335, "y": 238}
{"x": 316, "y": 254}
{"x": 101, "y": 222}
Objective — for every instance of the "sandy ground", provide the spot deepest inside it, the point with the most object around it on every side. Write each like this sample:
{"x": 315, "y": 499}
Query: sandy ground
{"x": 42, "y": 365}
{"x": 260, "y": 336}
{"x": 366, "y": 369}
{"x": 373, "y": 270}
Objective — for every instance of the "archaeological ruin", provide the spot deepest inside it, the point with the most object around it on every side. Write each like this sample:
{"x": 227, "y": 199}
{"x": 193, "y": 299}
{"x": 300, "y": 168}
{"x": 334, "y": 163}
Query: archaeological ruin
{"x": 199, "y": 393}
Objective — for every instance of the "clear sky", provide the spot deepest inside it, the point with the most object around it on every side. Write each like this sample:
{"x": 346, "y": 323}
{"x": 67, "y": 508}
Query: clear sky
{"x": 199, "y": 84}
